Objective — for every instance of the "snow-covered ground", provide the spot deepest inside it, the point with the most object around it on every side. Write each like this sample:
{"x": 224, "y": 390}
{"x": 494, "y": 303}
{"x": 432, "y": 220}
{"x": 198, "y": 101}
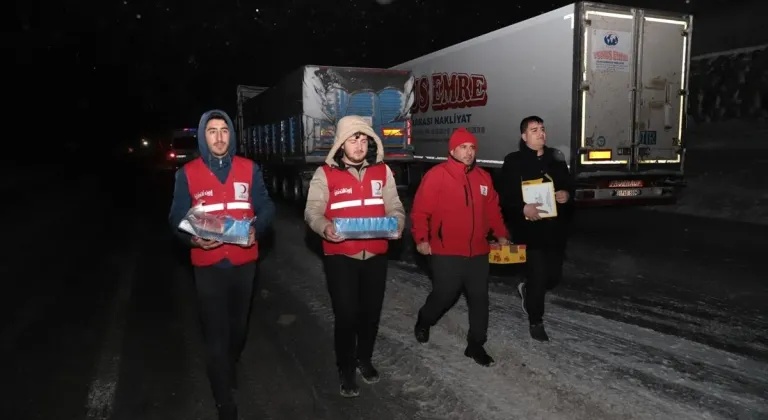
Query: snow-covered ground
{"x": 727, "y": 137}
{"x": 594, "y": 367}
{"x": 725, "y": 172}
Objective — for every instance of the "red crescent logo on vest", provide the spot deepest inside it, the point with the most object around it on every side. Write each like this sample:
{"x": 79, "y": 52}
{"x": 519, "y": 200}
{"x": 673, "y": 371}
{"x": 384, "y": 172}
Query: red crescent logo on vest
{"x": 377, "y": 187}
{"x": 241, "y": 190}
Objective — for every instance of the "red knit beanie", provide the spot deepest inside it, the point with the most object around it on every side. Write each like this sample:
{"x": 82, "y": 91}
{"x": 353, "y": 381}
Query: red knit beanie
{"x": 459, "y": 137}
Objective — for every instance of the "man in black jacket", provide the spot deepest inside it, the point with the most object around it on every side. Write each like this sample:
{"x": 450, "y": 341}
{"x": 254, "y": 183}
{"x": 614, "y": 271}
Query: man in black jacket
{"x": 545, "y": 237}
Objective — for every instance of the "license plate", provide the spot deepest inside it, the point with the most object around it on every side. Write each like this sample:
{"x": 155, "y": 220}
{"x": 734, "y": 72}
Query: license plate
{"x": 627, "y": 193}
{"x": 627, "y": 183}
{"x": 181, "y": 156}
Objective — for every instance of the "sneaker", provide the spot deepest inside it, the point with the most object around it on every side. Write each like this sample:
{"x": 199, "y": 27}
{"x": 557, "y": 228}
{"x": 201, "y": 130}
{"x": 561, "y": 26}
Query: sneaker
{"x": 538, "y": 332}
{"x": 227, "y": 411}
{"x": 421, "y": 333}
{"x": 368, "y": 372}
{"x": 521, "y": 292}
{"x": 348, "y": 387}
{"x": 479, "y": 355}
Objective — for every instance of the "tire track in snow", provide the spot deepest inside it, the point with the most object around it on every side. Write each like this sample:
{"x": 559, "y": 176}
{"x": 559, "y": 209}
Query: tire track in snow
{"x": 651, "y": 292}
{"x": 593, "y": 372}
{"x": 553, "y": 383}
{"x": 437, "y": 376}
{"x": 675, "y": 370}
{"x": 405, "y": 377}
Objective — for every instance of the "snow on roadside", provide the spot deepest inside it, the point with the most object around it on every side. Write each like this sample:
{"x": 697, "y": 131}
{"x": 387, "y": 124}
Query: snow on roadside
{"x": 733, "y": 134}
{"x": 725, "y": 172}
{"x": 716, "y": 196}
{"x": 594, "y": 369}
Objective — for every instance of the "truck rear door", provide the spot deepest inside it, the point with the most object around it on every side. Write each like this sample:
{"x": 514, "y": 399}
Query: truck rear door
{"x": 633, "y": 79}
{"x": 381, "y": 110}
{"x": 662, "y": 70}
{"x": 606, "y": 96}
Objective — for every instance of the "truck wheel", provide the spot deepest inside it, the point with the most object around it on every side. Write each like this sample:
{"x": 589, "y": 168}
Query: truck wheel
{"x": 286, "y": 189}
{"x": 275, "y": 186}
{"x": 304, "y": 189}
{"x": 298, "y": 191}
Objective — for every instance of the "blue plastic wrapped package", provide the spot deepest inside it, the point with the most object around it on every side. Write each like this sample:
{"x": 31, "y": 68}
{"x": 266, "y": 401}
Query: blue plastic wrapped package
{"x": 217, "y": 227}
{"x": 366, "y": 227}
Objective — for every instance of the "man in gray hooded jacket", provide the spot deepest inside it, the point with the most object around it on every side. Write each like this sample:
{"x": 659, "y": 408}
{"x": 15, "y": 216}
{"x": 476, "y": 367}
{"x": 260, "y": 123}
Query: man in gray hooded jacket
{"x": 354, "y": 182}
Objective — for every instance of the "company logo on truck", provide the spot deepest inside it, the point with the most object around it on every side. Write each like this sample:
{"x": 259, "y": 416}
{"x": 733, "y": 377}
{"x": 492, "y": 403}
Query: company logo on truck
{"x": 450, "y": 91}
{"x": 610, "y": 51}
{"x": 611, "y": 39}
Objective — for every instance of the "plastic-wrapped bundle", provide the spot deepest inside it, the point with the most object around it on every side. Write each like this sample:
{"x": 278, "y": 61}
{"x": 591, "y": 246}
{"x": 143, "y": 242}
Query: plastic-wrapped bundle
{"x": 366, "y": 227}
{"x": 217, "y": 227}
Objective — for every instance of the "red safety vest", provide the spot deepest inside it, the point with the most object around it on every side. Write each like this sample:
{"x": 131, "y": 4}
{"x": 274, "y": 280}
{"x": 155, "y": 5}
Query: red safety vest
{"x": 231, "y": 198}
{"x": 349, "y": 197}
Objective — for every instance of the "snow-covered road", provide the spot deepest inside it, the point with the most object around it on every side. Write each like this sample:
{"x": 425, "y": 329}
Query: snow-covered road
{"x": 594, "y": 367}
{"x": 725, "y": 172}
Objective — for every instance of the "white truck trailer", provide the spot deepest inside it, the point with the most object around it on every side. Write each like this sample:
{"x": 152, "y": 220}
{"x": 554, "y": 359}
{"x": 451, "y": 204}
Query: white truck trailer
{"x": 609, "y": 81}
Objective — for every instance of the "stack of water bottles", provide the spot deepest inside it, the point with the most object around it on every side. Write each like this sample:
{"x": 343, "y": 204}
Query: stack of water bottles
{"x": 366, "y": 227}
{"x": 217, "y": 227}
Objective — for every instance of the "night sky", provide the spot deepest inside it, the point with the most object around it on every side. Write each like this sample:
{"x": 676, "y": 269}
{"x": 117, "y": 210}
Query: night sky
{"x": 131, "y": 66}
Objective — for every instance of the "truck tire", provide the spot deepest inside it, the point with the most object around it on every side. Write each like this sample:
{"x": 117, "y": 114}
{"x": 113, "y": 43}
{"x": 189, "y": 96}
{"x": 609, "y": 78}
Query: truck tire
{"x": 304, "y": 189}
{"x": 275, "y": 186}
{"x": 298, "y": 189}
{"x": 286, "y": 190}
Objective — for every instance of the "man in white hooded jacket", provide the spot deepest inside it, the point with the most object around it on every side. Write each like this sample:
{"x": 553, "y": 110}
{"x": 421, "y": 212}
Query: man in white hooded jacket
{"x": 354, "y": 182}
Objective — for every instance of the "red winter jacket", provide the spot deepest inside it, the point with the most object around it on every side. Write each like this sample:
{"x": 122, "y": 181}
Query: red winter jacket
{"x": 454, "y": 210}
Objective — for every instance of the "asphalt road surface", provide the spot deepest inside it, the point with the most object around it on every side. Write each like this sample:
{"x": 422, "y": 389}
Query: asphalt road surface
{"x": 660, "y": 316}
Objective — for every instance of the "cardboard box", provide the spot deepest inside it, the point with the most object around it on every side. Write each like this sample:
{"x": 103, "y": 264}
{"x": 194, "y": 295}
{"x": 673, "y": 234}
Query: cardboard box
{"x": 507, "y": 254}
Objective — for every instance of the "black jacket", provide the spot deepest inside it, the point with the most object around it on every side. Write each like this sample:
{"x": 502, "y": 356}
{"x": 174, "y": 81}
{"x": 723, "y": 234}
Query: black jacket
{"x": 525, "y": 165}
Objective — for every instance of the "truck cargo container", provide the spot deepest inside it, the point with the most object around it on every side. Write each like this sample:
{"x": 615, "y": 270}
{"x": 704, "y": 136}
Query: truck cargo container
{"x": 290, "y": 127}
{"x": 610, "y": 82}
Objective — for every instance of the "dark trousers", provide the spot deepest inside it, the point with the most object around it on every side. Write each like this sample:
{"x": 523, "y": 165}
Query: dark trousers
{"x": 544, "y": 272}
{"x": 450, "y": 275}
{"x": 357, "y": 293}
{"x": 224, "y": 300}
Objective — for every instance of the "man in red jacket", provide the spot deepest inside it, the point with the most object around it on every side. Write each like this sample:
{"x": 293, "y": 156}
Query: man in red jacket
{"x": 454, "y": 209}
